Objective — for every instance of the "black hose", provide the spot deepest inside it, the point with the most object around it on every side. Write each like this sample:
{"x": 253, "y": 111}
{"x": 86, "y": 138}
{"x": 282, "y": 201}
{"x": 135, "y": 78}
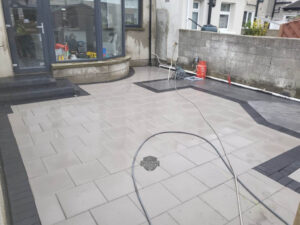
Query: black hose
{"x": 207, "y": 141}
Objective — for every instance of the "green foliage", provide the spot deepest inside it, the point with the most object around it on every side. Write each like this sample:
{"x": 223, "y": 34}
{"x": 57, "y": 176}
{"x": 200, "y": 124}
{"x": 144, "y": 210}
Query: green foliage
{"x": 256, "y": 29}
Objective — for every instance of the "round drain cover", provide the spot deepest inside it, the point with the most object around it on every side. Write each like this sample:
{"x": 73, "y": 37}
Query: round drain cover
{"x": 149, "y": 163}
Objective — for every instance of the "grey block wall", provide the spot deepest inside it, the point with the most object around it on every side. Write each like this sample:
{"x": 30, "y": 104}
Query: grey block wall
{"x": 264, "y": 62}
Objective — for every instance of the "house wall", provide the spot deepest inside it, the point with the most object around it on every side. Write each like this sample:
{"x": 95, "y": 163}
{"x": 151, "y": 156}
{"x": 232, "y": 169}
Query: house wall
{"x": 6, "y": 64}
{"x": 266, "y": 62}
{"x": 173, "y": 15}
{"x": 137, "y": 39}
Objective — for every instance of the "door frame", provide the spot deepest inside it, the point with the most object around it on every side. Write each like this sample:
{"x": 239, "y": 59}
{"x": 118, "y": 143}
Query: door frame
{"x": 41, "y": 18}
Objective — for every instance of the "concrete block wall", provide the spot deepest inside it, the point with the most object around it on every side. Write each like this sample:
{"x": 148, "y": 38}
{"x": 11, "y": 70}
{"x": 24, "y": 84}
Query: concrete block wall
{"x": 265, "y": 62}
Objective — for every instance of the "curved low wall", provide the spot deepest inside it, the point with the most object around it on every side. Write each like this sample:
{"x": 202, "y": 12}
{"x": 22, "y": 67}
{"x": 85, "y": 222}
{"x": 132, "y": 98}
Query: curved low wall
{"x": 92, "y": 72}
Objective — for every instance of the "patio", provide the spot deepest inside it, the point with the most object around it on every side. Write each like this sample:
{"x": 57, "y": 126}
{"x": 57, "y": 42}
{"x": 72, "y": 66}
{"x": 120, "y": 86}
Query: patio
{"x": 78, "y": 152}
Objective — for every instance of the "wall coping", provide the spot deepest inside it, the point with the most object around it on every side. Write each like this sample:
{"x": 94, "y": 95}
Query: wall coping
{"x": 240, "y": 35}
{"x": 59, "y": 66}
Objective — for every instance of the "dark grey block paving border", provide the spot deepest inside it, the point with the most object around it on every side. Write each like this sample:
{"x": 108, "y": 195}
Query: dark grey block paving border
{"x": 17, "y": 193}
{"x": 150, "y": 85}
{"x": 280, "y": 167}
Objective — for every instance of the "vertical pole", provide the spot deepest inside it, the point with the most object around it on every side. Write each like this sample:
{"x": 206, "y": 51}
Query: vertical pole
{"x": 209, "y": 11}
{"x": 150, "y": 33}
{"x": 256, "y": 9}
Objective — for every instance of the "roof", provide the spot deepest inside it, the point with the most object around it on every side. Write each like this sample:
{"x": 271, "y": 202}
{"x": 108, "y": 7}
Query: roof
{"x": 293, "y": 6}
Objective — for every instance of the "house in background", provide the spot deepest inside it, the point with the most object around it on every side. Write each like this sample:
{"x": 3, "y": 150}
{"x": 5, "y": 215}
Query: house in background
{"x": 173, "y": 15}
{"x": 278, "y": 12}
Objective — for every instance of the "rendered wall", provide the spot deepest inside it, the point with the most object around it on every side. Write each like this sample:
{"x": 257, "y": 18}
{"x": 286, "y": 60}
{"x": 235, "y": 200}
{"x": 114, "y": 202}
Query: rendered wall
{"x": 137, "y": 39}
{"x": 5, "y": 61}
{"x": 265, "y": 62}
{"x": 173, "y": 15}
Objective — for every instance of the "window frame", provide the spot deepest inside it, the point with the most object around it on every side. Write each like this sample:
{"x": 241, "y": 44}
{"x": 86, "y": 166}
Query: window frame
{"x": 196, "y": 10}
{"x": 140, "y": 16}
{"x": 98, "y": 33}
{"x": 247, "y": 17}
{"x": 225, "y": 13}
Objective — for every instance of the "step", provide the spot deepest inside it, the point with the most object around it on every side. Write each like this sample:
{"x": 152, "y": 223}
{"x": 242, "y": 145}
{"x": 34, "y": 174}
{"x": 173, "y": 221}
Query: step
{"x": 62, "y": 88}
{"x": 26, "y": 81}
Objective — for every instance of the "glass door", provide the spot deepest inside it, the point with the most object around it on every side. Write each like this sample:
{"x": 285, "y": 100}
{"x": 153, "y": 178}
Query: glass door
{"x": 26, "y": 33}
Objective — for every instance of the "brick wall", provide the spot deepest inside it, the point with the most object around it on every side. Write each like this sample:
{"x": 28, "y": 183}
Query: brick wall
{"x": 265, "y": 62}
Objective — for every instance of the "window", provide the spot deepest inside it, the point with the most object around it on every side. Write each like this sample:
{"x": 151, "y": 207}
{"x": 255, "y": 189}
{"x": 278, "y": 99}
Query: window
{"x": 195, "y": 15}
{"x": 133, "y": 13}
{"x": 74, "y": 29}
{"x": 80, "y": 33}
{"x": 112, "y": 29}
{"x": 224, "y": 16}
{"x": 247, "y": 18}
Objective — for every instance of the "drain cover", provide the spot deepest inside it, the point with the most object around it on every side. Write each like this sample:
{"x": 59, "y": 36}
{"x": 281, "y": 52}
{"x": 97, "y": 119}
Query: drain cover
{"x": 149, "y": 163}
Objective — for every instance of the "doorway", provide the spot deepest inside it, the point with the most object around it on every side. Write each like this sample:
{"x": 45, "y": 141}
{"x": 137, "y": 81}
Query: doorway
{"x": 26, "y": 32}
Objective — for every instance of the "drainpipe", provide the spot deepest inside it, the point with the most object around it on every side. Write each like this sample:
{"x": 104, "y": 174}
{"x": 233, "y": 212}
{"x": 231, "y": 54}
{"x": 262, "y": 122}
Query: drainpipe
{"x": 273, "y": 12}
{"x": 210, "y": 3}
{"x": 150, "y": 33}
{"x": 256, "y": 9}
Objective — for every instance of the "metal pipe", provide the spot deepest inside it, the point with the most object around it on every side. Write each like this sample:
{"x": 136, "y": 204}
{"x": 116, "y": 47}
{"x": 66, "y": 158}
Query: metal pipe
{"x": 210, "y": 3}
{"x": 150, "y": 33}
{"x": 256, "y": 8}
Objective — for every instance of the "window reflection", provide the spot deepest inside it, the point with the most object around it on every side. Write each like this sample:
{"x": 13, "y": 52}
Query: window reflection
{"x": 111, "y": 12}
{"x": 74, "y": 29}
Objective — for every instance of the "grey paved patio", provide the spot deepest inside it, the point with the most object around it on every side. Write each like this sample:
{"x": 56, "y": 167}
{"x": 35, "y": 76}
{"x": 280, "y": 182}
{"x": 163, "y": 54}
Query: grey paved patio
{"x": 78, "y": 152}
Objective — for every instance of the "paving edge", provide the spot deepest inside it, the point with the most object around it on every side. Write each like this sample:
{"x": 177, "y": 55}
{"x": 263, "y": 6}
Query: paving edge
{"x": 246, "y": 106}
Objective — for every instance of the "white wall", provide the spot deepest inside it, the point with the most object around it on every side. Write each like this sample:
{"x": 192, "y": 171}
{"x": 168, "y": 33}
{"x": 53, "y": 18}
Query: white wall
{"x": 6, "y": 65}
{"x": 173, "y": 15}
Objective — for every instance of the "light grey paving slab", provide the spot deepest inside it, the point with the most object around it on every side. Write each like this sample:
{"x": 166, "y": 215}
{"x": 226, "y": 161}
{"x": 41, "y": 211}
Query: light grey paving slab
{"x": 195, "y": 212}
{"x": 237, "y": 141}
{"x": 175, "y": 163}
{"x": 295, "y": 176}
{"x": 239, "y": 166}
{"x": 287, "y": 199}
{"x": 51, "y": 183}
{"x": 116, "y": 162}
{"x": 224, "y": 200}
{"x": 164, "y": 219}
{"x": 121, "y": 211}
{"x": 197, "y": 155}
{"x": 156, "y": 199}
{"x": 35, "y": 168}
{"x": 80, "y": 199}
{"x": 35, "y": 152}
{"x": 49, "y": 210}
{"x": 210, "y": 175}
{"x": 67, "y": 144}
{"x": 61, "y": 161}
{"x": 116, "y": 185}
{"x": 263, "y": 189}
{"x": 72, "y": 131}
{"x": 145, "y": 178}
{"x": 81, "y": 219}
{"x": 84, "y": 173}
{"x": 184, "y": 186}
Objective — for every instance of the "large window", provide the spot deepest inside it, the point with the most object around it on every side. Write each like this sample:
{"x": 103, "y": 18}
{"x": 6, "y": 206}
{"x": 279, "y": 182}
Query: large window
{"x": 133, "y": 13}
{"x": 224, "y": 16}
{"x": 112, "y": 28}
{"x": 74, "y": 29}
{"x": 81, "y": 33}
